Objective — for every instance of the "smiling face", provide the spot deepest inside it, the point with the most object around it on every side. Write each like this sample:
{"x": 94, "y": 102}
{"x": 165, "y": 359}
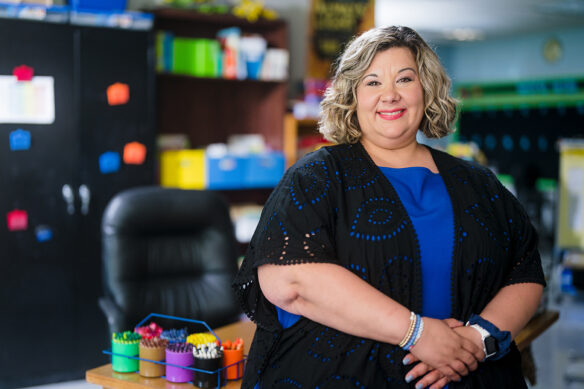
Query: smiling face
{"x": 390, "y": 101}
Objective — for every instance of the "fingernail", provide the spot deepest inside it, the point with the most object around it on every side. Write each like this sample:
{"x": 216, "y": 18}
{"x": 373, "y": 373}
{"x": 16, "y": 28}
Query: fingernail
{"x": 419, "y": 386}
{"x": 406, "y": 361}
{"x": 409, "y": 378}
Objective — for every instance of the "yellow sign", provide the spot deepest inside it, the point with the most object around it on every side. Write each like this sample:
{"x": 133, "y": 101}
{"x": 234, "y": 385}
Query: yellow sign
{"x": 333, "y": 23}
{"x": 571, "y": 196}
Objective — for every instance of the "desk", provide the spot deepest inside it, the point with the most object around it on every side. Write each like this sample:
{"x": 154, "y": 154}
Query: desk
{"x": 107, "y": 378}
{"x": 536, "y": 326}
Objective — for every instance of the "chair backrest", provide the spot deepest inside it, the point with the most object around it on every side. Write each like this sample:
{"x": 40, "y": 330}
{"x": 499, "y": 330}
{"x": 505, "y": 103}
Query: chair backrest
{"x": 169, "y": 251}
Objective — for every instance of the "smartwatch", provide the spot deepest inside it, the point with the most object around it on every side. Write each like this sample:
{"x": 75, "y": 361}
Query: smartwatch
{"x": 490, "y": 344}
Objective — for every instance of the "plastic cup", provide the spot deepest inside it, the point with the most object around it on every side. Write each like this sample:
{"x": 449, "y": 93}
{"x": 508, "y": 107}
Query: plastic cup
{"x": 207, "y": 380}
{"x": 234, "y": 358}
{"x": 178, "y": 374}
{"x": 120, "y": 363}
{"x": 150, "y": 369}
{"x": 253, "y": 68}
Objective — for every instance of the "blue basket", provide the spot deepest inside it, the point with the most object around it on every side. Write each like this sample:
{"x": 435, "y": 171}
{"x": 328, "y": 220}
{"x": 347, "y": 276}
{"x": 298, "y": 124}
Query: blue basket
{"x": 98, "y": 5}
{"x": 220, "y": 372}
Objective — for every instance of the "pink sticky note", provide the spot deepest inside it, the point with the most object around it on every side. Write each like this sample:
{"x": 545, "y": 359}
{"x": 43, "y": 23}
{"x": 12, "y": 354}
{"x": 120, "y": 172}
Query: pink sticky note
{"x": 17, "y": 220}
{"x": 23, "y": 73}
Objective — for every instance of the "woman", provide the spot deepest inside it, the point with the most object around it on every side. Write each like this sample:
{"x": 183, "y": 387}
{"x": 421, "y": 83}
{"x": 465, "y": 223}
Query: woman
{"x": 389, "y": 247}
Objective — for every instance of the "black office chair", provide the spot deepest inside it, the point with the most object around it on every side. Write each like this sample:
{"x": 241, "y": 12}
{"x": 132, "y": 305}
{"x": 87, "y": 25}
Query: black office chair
{"x": 168, "y": 251}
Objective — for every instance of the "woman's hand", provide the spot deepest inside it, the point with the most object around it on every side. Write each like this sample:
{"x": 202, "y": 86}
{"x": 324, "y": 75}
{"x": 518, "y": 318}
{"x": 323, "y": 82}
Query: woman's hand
{"x": 431, "y": 377}
{"x": 452, "y": 354}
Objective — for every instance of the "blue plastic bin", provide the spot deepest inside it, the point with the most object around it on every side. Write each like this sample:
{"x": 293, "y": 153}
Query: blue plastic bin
{"x": 227, "y": 172}
{"x": 98, "y": 5}
{"x": 264, "y": 170}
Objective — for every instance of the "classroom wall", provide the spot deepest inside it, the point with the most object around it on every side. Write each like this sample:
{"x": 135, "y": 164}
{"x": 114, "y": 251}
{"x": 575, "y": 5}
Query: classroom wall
{"x": 514, "y": 58}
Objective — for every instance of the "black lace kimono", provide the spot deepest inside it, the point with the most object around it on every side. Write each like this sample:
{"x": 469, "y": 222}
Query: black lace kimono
{"x": 336, "y": 206}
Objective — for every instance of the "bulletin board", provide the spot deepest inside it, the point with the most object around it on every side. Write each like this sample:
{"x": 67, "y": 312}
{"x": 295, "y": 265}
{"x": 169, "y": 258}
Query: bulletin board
{"x": 571, "y": 196}
{"x": 332, "y": 24}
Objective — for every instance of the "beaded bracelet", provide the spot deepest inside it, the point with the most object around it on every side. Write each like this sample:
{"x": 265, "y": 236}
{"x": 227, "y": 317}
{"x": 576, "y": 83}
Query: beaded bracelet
{"x": 410, "y": 332}
{"x": 415, "y": 334}
{"x": 418, "y": 334}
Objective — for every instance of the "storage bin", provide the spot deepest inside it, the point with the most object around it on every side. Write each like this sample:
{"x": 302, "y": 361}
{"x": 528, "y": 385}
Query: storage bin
{"x": 195, "y": 57}
{"x": 227, "y": 172}
{"x": 183, "y": 169}
{"x": 264, "y": 170}
{"x": 98, "y": 5}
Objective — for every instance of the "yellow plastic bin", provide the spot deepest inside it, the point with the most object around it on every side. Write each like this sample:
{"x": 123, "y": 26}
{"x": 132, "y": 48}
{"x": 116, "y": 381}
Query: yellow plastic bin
{"x": 184, "y": 169}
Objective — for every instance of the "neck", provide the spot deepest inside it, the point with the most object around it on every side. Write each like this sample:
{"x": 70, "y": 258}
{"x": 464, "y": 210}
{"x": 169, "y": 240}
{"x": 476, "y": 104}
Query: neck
{"x": 409, "y": 155}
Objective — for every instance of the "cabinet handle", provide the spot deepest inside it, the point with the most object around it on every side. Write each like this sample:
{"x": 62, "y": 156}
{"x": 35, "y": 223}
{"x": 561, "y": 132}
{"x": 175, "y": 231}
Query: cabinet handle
{"x": 69, "y": 198}
{"x": 85, "y": 195}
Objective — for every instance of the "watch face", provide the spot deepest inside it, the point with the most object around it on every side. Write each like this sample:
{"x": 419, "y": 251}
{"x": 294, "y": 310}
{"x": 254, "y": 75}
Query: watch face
{"x": 491, "y": 346}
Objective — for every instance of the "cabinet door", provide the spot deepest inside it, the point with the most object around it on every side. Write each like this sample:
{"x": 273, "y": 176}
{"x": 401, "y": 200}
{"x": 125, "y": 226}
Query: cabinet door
{"x": 37, "y": 297}
{"x": 106, "y": 57}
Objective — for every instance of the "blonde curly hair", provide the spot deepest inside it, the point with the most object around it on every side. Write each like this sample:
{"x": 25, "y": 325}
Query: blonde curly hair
{"x": 339, "y": 123}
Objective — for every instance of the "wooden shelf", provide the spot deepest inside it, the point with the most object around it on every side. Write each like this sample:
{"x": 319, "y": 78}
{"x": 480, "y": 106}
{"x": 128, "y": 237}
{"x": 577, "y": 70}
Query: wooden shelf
{"x": 233, "y": 83}
{"x": 190, "y": 23}
{"x": 209, "y": 110}
{"x": 293, "y": 129}
{"x": 253, "y": 195}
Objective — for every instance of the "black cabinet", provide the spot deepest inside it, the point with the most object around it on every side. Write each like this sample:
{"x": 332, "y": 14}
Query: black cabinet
{"x": 49, "y": 317}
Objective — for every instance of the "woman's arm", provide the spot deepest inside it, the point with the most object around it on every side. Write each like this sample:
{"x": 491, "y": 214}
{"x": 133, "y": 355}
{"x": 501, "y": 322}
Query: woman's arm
{"x": 509, "y": 310}
{"x": 333, "y": 296}
{"x": 513, "y": 306}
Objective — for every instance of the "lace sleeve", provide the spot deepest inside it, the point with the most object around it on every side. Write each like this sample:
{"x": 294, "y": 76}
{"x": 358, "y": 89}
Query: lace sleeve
{"x": 295, "y": 227}
{"x": 526, "y": 265}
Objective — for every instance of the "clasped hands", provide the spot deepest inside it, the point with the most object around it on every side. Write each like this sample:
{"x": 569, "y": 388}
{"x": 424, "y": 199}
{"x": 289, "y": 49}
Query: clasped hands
{"x": 446, "y": 351}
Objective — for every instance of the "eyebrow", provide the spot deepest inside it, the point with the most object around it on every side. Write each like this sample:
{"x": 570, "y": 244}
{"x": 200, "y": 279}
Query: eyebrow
{"x": 400, "y": 71}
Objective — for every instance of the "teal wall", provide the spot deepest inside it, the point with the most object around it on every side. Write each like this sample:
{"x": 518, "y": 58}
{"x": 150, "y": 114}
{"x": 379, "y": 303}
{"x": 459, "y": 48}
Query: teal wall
{"x": 515, "y": 58}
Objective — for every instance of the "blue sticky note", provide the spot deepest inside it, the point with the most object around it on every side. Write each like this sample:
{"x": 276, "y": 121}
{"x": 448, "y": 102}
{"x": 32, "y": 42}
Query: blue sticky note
{"x": 109, "y": 162}
{"x": 43, "y": 233}
{"x": 19, "y": 140}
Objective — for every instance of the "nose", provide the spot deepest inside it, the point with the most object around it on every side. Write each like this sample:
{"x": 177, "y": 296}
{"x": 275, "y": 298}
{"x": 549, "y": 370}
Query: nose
{"x": 390, "y": 94}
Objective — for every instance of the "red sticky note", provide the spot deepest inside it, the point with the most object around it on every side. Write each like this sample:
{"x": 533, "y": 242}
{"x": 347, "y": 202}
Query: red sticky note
{"x": 17, "y": 220}
{"x": 134, "y": 153}
{"x": 118, "y": 94}
{"x": 23, "y": 73}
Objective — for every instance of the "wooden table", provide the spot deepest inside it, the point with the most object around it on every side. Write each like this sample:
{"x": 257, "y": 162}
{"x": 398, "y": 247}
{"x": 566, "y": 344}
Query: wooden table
{"x": 535, "y": 328}
{"x": 107, "y": 378}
